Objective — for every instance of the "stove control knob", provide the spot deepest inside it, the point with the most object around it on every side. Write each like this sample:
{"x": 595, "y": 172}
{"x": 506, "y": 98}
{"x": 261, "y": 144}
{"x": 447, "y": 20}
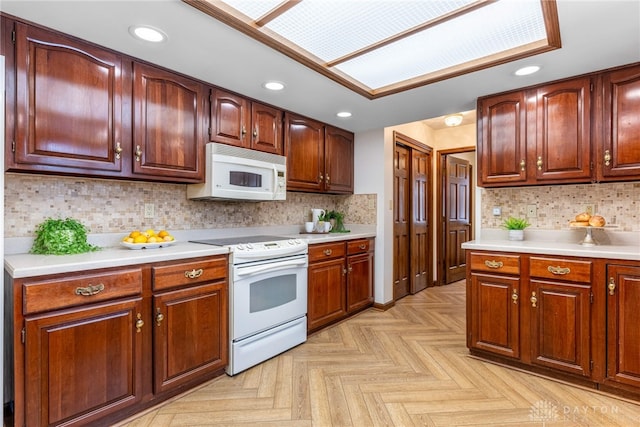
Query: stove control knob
{"x": 249, "y": 246}
{"x": 240, "y": 247}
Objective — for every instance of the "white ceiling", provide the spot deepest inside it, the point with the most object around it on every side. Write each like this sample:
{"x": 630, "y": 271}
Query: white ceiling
{"x": 595, "y": 35}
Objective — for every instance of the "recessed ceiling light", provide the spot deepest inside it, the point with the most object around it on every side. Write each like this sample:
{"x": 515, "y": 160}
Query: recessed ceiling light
{"x": 147, "y": 33}
{"x": 274, "y": 85}
{"x": 344, "y": 114}
{"x": 525, "y": 71}
{"x": 453, "y": 120}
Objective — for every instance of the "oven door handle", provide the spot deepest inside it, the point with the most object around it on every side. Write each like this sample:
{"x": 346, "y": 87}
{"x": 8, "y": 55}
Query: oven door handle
{"x": 248, "y": 271}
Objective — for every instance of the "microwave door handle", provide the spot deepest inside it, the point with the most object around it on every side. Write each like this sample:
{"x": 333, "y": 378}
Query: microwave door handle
{"x": 275, "y": 182}
{"x": 248, "y": 271}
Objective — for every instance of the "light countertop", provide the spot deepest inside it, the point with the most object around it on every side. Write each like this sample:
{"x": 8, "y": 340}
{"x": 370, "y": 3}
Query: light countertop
{"x": 20, "y": 264}
{"x": 613, "y": 245}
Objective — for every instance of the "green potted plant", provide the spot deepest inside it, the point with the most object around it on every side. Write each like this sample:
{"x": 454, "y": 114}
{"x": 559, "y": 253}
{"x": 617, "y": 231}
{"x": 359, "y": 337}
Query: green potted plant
{"x": 61, "y": 237}
{"x": 516, "y": 227}
{"x": 336, "y": 219}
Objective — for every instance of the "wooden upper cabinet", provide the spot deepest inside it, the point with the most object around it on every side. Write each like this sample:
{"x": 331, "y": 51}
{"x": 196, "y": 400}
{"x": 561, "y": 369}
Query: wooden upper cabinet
{"x": 237, "y": 121}
{"x": 563, "y": 132}
{"x": 502, "y": 140}
{"x": 338, "y": 160}
{"x": 618, "y": 154}
{"x": 266, "y": 129}
{"x": 304, "y": 148}
{"x": 68, "y": 105}
{"x": 167, "y": 125}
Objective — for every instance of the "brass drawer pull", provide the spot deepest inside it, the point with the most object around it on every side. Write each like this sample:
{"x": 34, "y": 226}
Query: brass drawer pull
{"x": 362, "y": 246}
{"x": 327, "y": 252}
{"x": 612, "y": 286}
{"x": 90, "y": 290}
{"x": 534, "y": 300}
{"x": 559, "y": 271}
{"x": 193, "y": 274}
{"x": 493, "y": 264}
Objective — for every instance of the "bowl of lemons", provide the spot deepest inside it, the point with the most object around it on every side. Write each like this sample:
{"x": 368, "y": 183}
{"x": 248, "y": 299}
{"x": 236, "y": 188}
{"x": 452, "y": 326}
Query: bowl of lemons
{"x": 148, "y": 239}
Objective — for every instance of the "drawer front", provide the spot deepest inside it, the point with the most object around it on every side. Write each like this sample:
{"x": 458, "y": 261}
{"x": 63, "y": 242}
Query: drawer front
{"x": 359, "y": 246}
{"x": 53, "y": 294}
{"x": 324, "y": 251}
{"x": 189, "y": 273}
{"x": 495, "y": 263}
{"x": 562, "y": 269}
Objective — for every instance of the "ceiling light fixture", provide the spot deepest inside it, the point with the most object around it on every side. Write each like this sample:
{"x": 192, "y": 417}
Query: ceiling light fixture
{"x": 273, "y": 85}
{"x": 525, "y": 71}
{"x": 147, "y": 33}
{"x": 453, "y": 120}
{"x": 344, "y": 114}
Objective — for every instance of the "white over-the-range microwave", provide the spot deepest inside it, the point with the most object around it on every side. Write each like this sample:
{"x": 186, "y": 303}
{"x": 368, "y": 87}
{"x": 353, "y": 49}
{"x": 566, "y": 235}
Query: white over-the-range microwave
{"x": 235, "y": 173}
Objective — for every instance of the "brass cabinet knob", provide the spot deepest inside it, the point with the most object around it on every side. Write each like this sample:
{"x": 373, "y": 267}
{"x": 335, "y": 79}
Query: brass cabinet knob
{"x": 539, "y": 163}
{"x": 159, "y": 316}
{"x": 534, "y": 300}
{"x": 138, "y": 153}
{"x": 522, "y": 165}
{"x": 139, "y": 323}
{"x": 607, "y": 157}
{"x": 514, "y": 296}
{"x": 611, "y": 286}
{"x": 118, "y": 150}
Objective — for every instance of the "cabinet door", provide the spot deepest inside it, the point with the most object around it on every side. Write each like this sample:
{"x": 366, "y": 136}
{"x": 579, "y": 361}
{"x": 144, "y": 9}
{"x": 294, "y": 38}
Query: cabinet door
{"x": 167, "y": 125}
{"x": 84, "y": 364}
{"x": 563, "y": 132}
{"x": 326, "y": 293}
{"x": 494, "y": 305}
{"x": 359, "y": 281}
{"x": 61, "y": 126}
{"x": 502, "y": 145}
{"x": 230, "y": 119}
{"x": 623, "y": 318}
{"x": 338, "y": 161}
{"x": 304, "y": 148}
{"x": 190, "y": 334}
{"x": 266, "y": 129}
{"x": 560, "y": 326}
{"x": 618, "y": 155}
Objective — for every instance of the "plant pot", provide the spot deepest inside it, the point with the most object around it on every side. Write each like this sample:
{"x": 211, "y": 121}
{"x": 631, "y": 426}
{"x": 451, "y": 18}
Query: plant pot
{"x": 516, "y": 234}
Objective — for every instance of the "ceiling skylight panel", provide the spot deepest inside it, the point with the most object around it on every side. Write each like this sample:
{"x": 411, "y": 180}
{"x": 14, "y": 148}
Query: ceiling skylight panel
{"x": 330, "y": 29}
{"x": 502, "y": 26}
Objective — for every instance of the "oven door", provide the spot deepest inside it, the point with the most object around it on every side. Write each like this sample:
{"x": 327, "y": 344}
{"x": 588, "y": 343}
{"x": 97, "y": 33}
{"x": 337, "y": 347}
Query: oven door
{"x": 267, "y": 293}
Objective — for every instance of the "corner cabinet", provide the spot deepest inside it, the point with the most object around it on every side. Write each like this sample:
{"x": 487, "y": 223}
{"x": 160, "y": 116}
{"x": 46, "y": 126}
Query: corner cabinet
{"x": 340, "y": 281}
{"x": 60, "y": 126}
{"x": 92, "y": 348}
{"x": 319, "y": 157}
{"x": 236, "y": 120}
{"x": 167, "y": 125}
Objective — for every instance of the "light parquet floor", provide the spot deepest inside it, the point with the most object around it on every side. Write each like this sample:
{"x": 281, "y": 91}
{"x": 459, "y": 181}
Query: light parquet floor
{"x": 408, "y": 366}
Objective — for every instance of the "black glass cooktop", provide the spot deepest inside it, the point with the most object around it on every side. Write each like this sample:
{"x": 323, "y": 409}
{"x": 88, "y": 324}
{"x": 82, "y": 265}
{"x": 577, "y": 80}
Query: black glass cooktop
{"x": 226, "y": 241}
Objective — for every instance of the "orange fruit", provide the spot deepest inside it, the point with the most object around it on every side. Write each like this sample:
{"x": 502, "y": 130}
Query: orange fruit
{"x": 134, "y": 234}
{"x": 163, "y": 233}
{"x": 140, "y": 239}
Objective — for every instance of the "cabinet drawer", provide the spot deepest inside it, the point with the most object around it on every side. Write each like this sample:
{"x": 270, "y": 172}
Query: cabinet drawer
{"x": 496, "y": 263}
{"x": 189, "y": 273}
{"x": 53, "y": 294}
{"x": 324, "y": 251}
{"x": 563, "y": 269}
{"x": 358, "y": 246}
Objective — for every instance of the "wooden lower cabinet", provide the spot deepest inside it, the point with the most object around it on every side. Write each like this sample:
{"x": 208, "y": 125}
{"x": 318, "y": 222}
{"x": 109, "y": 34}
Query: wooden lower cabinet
{"x": 566, "y": 317}
{"x": 623, "y": 318}
{"x": 94, "y": 347}
{"x": 340, "y": 281}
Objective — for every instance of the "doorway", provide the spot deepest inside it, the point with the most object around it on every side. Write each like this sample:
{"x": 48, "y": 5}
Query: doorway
{"x": 412, "y": 211}
{"x": 455, "y": 208}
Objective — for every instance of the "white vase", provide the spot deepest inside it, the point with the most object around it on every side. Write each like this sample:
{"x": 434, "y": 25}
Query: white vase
{"x": 516, "y": 234}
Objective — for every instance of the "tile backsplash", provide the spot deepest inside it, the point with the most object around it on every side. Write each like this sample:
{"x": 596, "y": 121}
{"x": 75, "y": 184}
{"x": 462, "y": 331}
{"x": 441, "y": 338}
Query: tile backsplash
{"x": 111, "y": 206}
{"x": 619, "y": 203}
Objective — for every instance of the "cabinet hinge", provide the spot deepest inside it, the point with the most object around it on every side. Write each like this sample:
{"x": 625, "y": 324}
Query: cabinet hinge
{"x": 591, "y": 87}
{"x": 23, "y": 335}
{"x": 209, "y": 130}
{"x": 13, "y": 146}
{"x": 13, "y": 36}
{"x": 591, "y": 365}
{"x": 591, "y": 297}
